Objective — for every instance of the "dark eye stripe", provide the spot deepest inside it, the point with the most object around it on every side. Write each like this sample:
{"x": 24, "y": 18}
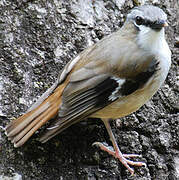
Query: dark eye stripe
{"x": 148, "y": 23}
{"x": 140, "y": 21}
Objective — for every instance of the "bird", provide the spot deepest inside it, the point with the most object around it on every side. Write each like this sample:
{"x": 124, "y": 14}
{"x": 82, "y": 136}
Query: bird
{"x": 108, "y": 80}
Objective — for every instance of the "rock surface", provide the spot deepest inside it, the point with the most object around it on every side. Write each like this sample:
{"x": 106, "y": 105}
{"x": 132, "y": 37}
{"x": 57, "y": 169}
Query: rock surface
{"x": 37, "y": 38}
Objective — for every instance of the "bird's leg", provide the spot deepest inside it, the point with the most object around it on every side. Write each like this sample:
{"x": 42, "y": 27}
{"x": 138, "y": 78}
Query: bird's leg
{"x": 116, "y": 151}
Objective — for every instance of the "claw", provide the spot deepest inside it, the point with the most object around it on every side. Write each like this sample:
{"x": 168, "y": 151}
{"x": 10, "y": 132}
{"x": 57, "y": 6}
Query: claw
{"x": 120, "y": 156}
{"x": 104, "y": 146}
{"x": 101, "y": 145}
{"x": 132, "y": 155}
{"x": 115, "y": 151}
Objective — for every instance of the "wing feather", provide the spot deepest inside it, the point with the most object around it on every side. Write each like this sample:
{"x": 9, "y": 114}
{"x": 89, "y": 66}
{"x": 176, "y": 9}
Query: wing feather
{"x": 84, "y": 97}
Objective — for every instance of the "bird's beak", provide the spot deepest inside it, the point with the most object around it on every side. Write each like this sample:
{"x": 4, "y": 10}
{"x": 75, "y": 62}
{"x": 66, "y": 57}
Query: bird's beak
{"x": 159, "y": 25}
{"x": 165, "y": 24}
{"x": 162, "y": 23}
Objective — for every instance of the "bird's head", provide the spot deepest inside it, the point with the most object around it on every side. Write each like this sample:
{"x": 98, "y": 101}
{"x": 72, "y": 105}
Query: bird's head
{"x": 148, "y": 17}
{"x": 148, "y": 24}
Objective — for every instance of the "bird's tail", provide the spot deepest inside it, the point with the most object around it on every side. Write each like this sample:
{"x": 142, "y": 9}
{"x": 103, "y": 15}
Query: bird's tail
{"x": 22, "y": 128}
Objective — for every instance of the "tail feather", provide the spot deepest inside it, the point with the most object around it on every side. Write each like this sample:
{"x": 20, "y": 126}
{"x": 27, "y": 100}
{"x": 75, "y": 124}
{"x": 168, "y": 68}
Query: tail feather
{"x": 21, "y": 129}
{"x": 18, "y": 124}
{"x": 24, "y": 135}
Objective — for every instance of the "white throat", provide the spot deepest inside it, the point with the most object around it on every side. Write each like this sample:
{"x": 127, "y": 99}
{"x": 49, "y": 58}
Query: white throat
{"x": 152, "y": 41}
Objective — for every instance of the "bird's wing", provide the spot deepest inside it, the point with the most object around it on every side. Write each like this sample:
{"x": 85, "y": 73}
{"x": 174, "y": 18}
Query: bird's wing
{"x": 91, "y": 88}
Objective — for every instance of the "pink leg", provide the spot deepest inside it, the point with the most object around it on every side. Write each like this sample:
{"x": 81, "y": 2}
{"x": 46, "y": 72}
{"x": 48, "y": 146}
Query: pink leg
{"x": 116, "y": 152}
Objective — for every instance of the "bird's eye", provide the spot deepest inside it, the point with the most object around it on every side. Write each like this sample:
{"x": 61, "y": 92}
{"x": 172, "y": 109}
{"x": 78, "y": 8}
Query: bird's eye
{"x": 139, "y": 20}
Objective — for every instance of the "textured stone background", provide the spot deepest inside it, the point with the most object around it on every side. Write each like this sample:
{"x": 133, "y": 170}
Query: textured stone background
{"x": 37, "y": 38}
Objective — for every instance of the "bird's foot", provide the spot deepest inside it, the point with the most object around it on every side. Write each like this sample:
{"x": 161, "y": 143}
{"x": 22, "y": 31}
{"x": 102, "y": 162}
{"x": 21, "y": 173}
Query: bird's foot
{"x": 120, "y": 156}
